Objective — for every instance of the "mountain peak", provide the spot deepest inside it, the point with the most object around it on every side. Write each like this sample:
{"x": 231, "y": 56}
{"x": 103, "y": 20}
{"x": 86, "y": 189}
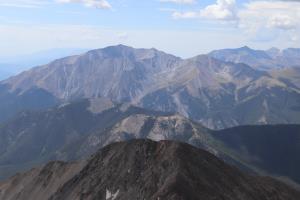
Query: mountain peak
{"x": 128, "y": 52}
{"x": 114, "y": 51}
{"x": 120, "y": 46}
{"x": 144, "y": 169}
{"x": 257, "y": 59}
{"x": 245, "y": 48}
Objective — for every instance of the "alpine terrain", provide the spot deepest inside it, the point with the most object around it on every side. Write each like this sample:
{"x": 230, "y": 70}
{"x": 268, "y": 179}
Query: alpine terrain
{"x": 143, "y": 169}
{"x": 217, "y": 93}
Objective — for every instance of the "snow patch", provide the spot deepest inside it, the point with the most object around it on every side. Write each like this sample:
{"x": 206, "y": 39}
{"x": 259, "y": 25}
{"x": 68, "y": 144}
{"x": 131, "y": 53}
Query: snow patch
{"x": 110, "y": 195}
{"x": 156, "y": 137}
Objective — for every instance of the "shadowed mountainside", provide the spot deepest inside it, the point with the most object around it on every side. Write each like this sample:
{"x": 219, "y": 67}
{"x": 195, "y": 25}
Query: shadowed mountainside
{"x": 142, "y": 169}
{"x": 76, "y": 130}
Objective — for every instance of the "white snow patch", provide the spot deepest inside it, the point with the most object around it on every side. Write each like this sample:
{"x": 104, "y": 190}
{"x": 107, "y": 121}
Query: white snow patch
{"x": 110, "y": 195}
{"x": 263, "y": 119}
{"x": 156, "y": 137}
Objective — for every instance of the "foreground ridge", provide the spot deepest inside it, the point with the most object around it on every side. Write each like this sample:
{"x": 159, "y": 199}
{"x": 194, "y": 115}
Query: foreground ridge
{"x": 144, "y": 169}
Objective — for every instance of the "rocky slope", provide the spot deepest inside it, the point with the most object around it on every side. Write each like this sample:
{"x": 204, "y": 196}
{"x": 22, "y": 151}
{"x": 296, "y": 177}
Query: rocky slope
{"x": 75, "y": 131}
{"x": 219, "y": 95}
{"x": 290, "y": 75}
{"x": 216, "y": 93}
{"x": 142, "y": 169}
{"x": 40, "y": 182}
{"x": 78, "y": 129}
{"x": 120, "y": 73}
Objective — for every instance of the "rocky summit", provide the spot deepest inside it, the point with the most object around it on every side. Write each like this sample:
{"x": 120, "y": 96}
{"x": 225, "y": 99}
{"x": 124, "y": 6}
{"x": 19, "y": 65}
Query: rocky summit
{"x": 143, "y": 169}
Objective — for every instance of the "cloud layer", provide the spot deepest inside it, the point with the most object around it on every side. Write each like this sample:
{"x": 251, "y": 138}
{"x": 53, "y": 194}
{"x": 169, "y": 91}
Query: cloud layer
{"x": 180, "y": 1}
{"x": 283, "y": 15}
{"x": 255, "y": 17}
{"x": 221, "y": 10}
{"x": 102, "y": 4}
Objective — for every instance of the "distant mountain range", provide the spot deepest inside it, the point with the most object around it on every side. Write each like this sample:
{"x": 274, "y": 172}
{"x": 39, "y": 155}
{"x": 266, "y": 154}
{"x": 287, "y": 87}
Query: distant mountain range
{"x": 77, "y": 130}
{"x": 143, "y": 169}
{"x": 258, "y": 59}
{"x": 214, "y": 92}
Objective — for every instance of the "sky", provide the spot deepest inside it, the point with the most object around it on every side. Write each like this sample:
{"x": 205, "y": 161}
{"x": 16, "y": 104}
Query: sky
{"x": 182, "y": 27}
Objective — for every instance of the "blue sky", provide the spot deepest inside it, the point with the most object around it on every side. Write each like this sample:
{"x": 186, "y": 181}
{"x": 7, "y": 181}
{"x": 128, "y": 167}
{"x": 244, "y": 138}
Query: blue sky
{"x": 182, "y": 27}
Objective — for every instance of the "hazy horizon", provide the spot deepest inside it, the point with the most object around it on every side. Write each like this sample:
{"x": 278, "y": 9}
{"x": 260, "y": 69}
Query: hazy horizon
{"x": 84, "y": 50}
{"x": 181, "y": 27}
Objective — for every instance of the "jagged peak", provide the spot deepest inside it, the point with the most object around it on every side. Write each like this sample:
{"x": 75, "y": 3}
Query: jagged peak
{"x": 245, "y": 48}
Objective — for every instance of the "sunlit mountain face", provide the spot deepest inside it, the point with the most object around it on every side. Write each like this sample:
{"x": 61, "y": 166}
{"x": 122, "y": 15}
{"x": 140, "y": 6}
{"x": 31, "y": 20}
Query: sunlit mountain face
{"x": 217, "y": 93}
{"x": 158, "y": 100}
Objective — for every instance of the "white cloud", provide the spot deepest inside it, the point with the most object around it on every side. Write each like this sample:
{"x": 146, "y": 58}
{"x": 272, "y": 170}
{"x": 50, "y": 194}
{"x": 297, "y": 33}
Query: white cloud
{"x": 280, "y": 18}
{"x": 282, "y": 22}
{"x": 258, "y": 20}
{"x": 103, "y": 4}
{"x": 270, "y": 14}
{"x": 179, "y": 1}
{"x": 221, "y": 10}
